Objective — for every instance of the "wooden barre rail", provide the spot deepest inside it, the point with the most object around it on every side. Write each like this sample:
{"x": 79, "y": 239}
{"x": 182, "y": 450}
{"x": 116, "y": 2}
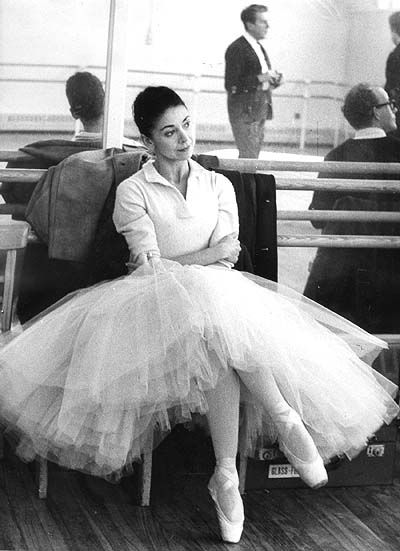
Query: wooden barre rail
{"x": 286, "y": 184}
{"x": 340, "y": 241}
{"x": 26, "y": 175}
{"x": 339, "y": 215}
{"x": 263, "y": 165}
{"x": 336, "y": 184}
{"x": 327, "y": 167}
{"x": 32, "y": 175}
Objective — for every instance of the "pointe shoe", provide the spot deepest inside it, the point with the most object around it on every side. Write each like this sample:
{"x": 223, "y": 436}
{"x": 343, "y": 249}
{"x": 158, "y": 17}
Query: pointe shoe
{"x": 313, "y": 471}
{"x": 225, "y": 480}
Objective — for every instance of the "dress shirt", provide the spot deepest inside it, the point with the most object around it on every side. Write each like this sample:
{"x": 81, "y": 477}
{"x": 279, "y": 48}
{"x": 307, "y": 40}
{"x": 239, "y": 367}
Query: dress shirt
{"x": 155, "y": 218}
{"x": 258, "y": 50}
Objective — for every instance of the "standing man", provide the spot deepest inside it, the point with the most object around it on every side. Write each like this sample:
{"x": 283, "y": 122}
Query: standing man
{"x": 393, "y": 60}
{"x": 392, "y": 85}
{"x": 249, "y": 80}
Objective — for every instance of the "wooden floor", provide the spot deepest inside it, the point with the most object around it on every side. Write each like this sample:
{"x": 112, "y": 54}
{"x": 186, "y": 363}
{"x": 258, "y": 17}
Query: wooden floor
{"x": 83, "y": 513}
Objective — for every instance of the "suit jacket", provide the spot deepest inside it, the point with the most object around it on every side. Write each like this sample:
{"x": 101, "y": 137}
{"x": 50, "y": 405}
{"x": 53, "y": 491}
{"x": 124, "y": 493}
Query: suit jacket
{"x": 242, "y": 67}
{"x": 393, "y": 70}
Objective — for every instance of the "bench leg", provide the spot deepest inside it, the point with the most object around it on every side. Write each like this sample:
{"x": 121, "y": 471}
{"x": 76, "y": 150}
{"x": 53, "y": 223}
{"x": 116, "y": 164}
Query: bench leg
{"x": 242, "y": 473}
{"x": 145, "y": 475}
{"x": 42, "y": 477}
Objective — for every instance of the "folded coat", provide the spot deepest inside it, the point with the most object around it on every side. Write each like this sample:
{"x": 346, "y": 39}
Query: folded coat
{"x": 66, "y": 204}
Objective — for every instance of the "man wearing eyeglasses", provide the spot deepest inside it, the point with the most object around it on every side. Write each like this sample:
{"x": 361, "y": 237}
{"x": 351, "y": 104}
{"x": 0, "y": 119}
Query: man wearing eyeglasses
{"x": 361, "y": 284}
{"x": 372, "y": 115}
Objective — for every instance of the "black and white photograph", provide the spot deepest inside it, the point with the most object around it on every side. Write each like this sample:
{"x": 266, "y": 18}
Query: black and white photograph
{"x": 199, "y": 275}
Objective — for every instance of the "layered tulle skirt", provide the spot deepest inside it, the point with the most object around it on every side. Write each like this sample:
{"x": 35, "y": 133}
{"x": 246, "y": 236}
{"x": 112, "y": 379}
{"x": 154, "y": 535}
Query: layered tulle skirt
{"x": 88, "y": 383}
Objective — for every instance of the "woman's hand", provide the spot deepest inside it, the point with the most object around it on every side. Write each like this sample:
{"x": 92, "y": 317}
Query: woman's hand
{"x": 229, "y": 247}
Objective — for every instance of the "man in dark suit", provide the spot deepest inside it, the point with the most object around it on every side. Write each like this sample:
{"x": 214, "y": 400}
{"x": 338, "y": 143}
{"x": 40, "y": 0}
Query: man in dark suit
{"x": 392, "y": 85}
{"x": 361, "y": 284}
{"x": 393, "y": 60}
{"x": 249, "y": 80}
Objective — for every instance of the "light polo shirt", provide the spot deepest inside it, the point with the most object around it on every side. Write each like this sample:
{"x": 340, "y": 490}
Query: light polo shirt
{"x": 154, "y": 216}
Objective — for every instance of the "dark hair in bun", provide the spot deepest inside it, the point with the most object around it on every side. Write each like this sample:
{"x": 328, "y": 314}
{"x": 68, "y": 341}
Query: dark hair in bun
{"x": 150, "y": 104}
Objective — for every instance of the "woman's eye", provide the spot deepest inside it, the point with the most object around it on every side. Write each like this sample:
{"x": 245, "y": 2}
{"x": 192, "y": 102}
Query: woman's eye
{"x": 169, "y": 133}
{"x": 186, "y": 124}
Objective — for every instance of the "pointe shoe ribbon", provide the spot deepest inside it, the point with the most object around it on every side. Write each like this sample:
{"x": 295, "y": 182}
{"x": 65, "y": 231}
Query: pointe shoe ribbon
{"x": 231, "y": 531}
{"x": 312, "y": 471}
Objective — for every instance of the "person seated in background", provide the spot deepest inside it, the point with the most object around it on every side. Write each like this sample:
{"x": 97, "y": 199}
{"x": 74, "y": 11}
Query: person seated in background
{"x": 45, "y": 280}
{"x": 361, "y": 284}
{"x": 85, "y": 96}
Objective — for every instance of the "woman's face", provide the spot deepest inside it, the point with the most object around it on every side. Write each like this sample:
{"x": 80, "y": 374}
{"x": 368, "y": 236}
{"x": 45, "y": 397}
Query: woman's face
{"x": 172, "y": 136}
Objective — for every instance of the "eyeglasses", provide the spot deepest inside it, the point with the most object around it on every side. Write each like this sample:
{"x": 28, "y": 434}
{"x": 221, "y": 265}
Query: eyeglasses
{"x": 390, "y": 103}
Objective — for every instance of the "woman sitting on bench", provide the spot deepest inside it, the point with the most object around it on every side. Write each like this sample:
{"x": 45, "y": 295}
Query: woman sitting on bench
{"x": 88, "y": 382}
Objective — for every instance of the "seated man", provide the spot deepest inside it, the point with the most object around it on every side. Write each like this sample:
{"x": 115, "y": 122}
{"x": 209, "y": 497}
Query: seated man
{"x": 361, "y": 284}
{"x": 85, "y": 96}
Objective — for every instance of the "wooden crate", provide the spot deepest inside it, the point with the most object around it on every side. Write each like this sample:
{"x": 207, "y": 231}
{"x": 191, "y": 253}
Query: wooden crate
{"x": 374, "y": 465}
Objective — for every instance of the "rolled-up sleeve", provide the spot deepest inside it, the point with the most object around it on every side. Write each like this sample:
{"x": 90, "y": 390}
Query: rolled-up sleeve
{"x": 133, "y": 221}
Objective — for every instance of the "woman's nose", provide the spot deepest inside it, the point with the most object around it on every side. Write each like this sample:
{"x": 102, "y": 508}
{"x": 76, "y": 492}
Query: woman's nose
{"x": 184, "y": 135}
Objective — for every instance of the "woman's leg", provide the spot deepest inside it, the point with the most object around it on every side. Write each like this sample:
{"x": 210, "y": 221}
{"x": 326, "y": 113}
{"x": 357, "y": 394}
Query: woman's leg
{"x": 294, "y": 439}
{"x": 223, "y": 419}
{"x": 223, "y": 416}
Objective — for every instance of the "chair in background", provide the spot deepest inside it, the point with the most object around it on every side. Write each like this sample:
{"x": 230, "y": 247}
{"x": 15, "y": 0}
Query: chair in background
{"x": 13, "y": 242}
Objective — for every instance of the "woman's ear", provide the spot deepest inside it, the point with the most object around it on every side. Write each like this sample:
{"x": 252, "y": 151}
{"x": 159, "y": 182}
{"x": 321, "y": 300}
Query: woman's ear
{"x": 148, "y": 143}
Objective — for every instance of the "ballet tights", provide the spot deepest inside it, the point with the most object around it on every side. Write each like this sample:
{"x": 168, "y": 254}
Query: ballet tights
{"x": 263, "y": 387}
{"x": 223, "y": 414}
{"x": 223, "y": 420}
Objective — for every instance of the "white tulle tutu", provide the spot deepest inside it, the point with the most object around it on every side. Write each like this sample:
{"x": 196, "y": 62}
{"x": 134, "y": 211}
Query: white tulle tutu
{"x": 87, "y": 383}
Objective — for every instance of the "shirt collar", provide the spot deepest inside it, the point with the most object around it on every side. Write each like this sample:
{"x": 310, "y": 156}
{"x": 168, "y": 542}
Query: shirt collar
{"x": 153, "y": 176}
{"x": 369, "y": 133}
{"x": 251, "y": 40}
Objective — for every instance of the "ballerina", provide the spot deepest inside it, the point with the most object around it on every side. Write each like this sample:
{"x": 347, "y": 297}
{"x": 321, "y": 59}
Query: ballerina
{"x": 86, "y": 383}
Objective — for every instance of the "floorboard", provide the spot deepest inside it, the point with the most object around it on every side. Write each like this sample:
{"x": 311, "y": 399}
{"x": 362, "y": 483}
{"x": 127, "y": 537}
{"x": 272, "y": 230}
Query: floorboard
{"x": 83, "y": 513}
